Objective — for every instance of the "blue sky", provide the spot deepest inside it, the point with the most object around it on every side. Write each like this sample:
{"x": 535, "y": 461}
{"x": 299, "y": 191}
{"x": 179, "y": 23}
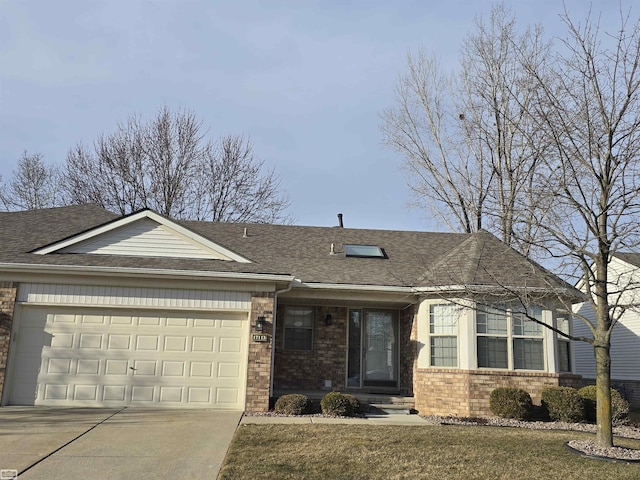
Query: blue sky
{"x": 306, "y": 80}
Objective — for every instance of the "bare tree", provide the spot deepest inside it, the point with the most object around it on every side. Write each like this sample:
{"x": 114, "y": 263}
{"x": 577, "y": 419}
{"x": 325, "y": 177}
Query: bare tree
{"x": 552, "y": 138}
{"x": 168, "y": 165}
{"x": 33, "y": 185}
{"x": 236, "y": 188}
{"x": 470, "y": 149}
{"x": 590, "y": 114}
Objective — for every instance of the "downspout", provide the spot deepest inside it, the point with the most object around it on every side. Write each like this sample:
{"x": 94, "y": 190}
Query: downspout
{"x": 273, "y": 334}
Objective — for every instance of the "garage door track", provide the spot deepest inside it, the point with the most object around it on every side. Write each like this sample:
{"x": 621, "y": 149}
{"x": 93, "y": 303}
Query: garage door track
{"x": 62, "y": 443}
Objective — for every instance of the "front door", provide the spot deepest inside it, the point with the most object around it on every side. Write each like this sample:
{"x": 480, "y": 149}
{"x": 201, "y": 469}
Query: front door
{"x": 373, "y": 349}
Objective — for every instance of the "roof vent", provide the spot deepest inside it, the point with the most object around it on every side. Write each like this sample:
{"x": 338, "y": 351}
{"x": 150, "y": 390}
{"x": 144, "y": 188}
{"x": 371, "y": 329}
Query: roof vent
{"x": 245, "y": 233}
{"x": 340, "y": 221}
{"x": 332, "y": 249}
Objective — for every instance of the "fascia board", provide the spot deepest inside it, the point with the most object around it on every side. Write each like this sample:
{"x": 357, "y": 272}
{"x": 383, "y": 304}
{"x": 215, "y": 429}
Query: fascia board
{"x": 353, "y": 287}
{"x": 472, "y": 289}
{"x": 141, "y": 272}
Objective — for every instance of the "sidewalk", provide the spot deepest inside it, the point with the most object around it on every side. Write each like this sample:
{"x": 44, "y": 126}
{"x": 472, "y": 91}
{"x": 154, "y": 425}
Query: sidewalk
{"x": 391, "y": 419}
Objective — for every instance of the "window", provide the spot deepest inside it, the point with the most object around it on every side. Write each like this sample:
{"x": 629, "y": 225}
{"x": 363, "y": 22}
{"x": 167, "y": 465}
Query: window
{"x": 564, "y": 345}
{"x": 507, "y": 338}
{"x": 443, "y": 333}
{"x": 492, "y": 328}
{"x": 528, "y": 353}
{"x": 364, "y": 251}
{"x": 298, "y": 328}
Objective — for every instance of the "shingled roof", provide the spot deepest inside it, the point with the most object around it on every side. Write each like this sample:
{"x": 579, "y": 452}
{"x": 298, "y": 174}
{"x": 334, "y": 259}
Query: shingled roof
{"x": 413, "y": 259}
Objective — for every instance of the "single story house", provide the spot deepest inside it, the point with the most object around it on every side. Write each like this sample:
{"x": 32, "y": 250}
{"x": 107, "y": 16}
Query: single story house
{"x": 98, "y": 309}
{"x": 624, "y": 275}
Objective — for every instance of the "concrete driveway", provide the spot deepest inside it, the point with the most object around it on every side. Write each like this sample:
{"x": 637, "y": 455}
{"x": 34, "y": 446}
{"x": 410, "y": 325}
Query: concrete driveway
{"x": 62, "y": 443}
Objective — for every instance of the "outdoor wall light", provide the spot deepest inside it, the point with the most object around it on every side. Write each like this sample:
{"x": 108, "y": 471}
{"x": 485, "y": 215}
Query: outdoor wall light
{"x": 260, "y": 324}
{"x": 328, "y": 320}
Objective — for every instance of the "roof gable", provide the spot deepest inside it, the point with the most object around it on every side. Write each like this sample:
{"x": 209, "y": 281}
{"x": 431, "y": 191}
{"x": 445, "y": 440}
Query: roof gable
{"x": 143, "y": 234}
{"x": 484, "y": 260}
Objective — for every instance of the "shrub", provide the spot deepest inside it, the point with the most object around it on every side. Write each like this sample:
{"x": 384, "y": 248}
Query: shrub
{"x": 292, "y": 404}
{"x": 510, "y": 403}
{"x": 355, "y": 403}
{"x": 563, "y": 404}
{"x": 619, "y": 405}
{"x": 335, "y": 403}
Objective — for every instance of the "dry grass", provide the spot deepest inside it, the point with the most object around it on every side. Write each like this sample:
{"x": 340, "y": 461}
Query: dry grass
{"x": 395, "y": 452}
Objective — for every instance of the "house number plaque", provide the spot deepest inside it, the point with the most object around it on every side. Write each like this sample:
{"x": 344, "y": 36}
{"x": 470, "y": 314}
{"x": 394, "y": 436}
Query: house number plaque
{"x": 260, "y": 338}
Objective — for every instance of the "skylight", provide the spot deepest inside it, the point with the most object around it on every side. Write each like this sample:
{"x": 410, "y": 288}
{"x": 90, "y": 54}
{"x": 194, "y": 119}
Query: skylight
{"x": 364, "y": 251}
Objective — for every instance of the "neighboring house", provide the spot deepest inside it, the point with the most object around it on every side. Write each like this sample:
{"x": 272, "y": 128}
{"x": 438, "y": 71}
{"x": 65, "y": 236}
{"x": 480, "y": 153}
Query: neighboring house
{"x": 624, "y": 275}
{"x": 102, "y": 310}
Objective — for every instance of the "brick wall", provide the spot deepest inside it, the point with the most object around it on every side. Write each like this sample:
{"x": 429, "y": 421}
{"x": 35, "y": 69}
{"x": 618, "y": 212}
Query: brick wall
{"x": 259, "y": 364}
{"x": 308, "y": 370}
{"x": 7, "y": 304}
{"x": 465, "y": 393}
{"x": 328, "y": 360}
{"x": 408, "y": 349}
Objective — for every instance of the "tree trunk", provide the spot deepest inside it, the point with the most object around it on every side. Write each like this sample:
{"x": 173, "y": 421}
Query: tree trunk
{"x": 604, "y": 433}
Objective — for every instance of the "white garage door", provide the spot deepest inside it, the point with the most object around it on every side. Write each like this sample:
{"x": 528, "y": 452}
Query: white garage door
{"x": 85, "y": 357}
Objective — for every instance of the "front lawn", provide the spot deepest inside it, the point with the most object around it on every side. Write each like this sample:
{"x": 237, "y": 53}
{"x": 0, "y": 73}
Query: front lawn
{"x": 394, "y": 452}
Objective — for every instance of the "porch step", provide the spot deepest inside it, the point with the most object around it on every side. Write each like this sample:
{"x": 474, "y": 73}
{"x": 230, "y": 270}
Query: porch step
{"x": 389, "y": 409}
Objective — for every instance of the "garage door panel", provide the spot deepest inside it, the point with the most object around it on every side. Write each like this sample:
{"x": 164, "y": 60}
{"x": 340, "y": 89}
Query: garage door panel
{"x": 67, "y": 357}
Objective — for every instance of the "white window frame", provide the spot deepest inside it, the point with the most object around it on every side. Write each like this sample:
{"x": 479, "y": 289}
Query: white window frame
{"x": 563, "y": 323}
{"x": 513, "y": 322}
{"x": 287, "y": 326}
{"x": 450, "y": 331}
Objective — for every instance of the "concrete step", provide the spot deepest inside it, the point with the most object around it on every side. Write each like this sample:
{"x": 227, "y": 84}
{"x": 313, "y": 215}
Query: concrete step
{"x": 389, "y": 409}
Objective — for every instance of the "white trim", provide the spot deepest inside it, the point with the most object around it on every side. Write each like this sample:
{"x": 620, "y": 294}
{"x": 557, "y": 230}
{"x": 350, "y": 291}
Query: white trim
{"x": 146, "y": 272}
{"x": 133, "y": 297}
{"x": 473, "y": 289}
{"x": 353, "y": 287}
{"x": 208, "y": 244}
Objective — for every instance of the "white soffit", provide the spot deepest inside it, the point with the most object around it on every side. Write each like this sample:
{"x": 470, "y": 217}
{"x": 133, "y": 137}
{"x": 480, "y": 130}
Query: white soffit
{"x": 143, "y": 234}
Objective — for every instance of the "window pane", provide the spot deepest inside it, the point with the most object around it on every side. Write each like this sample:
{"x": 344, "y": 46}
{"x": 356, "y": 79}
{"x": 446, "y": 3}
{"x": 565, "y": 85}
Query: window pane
{"x": 355, "y": 329}
{"x": 492, "y": 352}
{"x": 525, "y": 327}
{"x": 564, "y": 362}
{"x": 491, "y": 321}
{"x": 443, "y": 319}
{"x": 298, "y": 328}
{"x": 563, "y": 325}
{"x": 444, "y": 351}
{"x": 363, "y": 251}
{"x": 528, "y": 354}
{"x": 298, "y": 317}
{"x": 298, "y": 339}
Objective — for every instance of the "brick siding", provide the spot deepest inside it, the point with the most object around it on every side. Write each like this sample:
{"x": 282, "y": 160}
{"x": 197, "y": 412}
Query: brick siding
{"x": 259, "y": 357}
{"x": 408, "y": 349}
{"x": 465, "y": 393}
{"x": 7, "y": 305}
{"x": 308, "y": 370}
{"x": 300, "y": 370}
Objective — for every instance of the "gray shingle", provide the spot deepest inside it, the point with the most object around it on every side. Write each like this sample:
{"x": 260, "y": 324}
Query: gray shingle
{"x": 414, "y": 258}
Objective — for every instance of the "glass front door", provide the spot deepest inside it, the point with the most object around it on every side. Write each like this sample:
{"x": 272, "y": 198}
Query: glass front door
{"x": 373, "y": 349}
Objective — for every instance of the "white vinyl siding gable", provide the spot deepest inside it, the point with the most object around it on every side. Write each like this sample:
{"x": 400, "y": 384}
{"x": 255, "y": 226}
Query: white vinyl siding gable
{"x": 625, "y": 338}
{"x": 145, "y": 238}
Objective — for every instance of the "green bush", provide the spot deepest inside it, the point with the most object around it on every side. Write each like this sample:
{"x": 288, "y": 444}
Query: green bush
{"x": 510, "y": 403}
{"x": 355, "y": 403}
{"x": 619, "y": 405}
{"x": 335, "y": 403}
{"x": 563, "y": 404}
{"x": 293, "y": 404}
